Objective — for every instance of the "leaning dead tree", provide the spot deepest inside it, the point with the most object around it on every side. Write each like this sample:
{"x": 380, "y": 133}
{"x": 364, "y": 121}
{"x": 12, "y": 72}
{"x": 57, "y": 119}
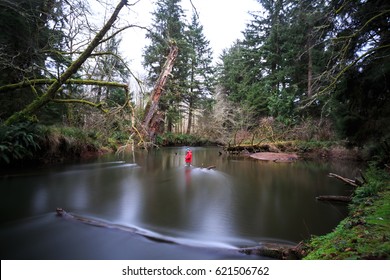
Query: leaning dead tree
{"x": 153, "y": 118}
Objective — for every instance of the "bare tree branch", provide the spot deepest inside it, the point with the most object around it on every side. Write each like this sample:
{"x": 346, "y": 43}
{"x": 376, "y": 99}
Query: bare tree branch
{"x": 123, "y": 29}
{"x": 35, "y": 82}
{"x": 52, "y": 90}
{"x": 82, "y": 101}
{"x": 339, "y": 75}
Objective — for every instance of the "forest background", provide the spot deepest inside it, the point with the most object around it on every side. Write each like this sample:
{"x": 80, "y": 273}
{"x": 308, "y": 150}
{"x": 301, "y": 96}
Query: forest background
{"x": 304, "y": 71}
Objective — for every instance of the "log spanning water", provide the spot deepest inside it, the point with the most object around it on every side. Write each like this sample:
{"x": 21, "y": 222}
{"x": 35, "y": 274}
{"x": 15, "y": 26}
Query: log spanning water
{"x": 265, "y": 249}
{"x": 262, "y": 152}
{"x": 275, "y": 157}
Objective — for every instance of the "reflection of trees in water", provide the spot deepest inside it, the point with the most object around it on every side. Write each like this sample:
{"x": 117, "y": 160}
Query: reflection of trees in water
{"x": 278, "y": 199}
{"x": 208, "y": 204}
{"x": 241, "y": 198}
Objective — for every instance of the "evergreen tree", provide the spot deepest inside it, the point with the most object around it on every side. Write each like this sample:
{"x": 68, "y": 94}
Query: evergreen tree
{"x": 230, "y": 72}
{"x": 27, "y": 41}
{"x": 257, "y": 66}
{"x": 274, "y": 48}
{"x": 168, "y": 27}
{"x": 200, "y": 78}
{"x": 274, "y": 69}
{"x": 361, "y": 44}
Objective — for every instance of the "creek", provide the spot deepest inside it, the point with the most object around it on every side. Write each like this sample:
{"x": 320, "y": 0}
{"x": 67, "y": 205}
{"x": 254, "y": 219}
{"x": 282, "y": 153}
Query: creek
{"x": 204, "y": 212}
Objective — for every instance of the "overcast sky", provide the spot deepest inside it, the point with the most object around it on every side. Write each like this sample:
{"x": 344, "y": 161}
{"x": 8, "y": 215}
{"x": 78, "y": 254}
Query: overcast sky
{"x": 222, "y": 20}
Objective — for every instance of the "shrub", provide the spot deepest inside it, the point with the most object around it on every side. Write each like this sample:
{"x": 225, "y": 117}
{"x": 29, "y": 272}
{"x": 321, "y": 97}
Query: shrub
{"x": 172, "y": 139}
{"x": 377, "y": 180}
{"x": 19, "y": 141}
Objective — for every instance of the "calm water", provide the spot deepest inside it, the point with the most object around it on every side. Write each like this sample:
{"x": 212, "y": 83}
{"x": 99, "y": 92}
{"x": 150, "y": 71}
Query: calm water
{"x": 240, "y": 203}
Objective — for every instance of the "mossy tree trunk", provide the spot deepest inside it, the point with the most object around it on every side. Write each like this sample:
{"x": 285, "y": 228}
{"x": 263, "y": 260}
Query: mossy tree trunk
{"x": 56, "y": 85}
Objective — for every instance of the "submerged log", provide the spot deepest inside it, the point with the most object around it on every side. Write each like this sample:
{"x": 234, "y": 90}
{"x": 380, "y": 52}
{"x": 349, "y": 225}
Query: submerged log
{"x": 266, "y": 249}
{"x": 276, "y": 251}
{"x": 335, "y": 198}
{"x": 206, "y": 167}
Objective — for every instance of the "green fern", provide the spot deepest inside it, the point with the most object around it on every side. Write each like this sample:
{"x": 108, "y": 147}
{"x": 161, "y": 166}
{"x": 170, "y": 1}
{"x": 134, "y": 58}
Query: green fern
{"x": 18, "y": 142}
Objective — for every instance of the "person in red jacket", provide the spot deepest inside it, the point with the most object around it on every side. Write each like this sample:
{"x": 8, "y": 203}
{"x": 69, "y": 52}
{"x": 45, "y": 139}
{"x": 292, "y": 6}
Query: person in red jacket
{"x": 188, "y": 158}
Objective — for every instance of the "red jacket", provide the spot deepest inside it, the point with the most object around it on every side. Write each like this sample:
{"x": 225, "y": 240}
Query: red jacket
{"x": 188, "y": 157}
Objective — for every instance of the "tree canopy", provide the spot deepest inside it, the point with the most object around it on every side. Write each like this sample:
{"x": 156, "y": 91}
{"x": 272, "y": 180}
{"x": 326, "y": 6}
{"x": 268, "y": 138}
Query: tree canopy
{"x": 297, "y": 60}
{"x": 314, "y": 59}
{"x": 191, "y": 78}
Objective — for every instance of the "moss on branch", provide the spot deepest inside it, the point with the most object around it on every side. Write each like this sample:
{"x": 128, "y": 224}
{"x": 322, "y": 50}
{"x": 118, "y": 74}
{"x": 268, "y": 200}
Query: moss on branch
{"x": 82, "y": 101}
{"x": 49, "y": 95}
{"x": 34, "y": 82}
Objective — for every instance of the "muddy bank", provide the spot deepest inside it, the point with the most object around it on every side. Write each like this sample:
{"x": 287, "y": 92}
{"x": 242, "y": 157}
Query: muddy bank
{"x": 335, "y": 153}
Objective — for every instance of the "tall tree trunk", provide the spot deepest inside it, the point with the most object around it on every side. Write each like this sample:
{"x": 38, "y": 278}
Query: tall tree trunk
{"x": 276, "y": 61}
{"x": 189, "y": 124}
{"x": 54, "y": 87}
{"x": 169, "y": 119}
{"x": 309, "y": 66}
{"x": 154, "y": 119}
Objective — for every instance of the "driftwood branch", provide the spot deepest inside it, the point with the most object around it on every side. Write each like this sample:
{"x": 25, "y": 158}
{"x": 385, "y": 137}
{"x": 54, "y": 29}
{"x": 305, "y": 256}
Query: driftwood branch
{"x": 355, "y": 183}
{"x": 337, "y": 198}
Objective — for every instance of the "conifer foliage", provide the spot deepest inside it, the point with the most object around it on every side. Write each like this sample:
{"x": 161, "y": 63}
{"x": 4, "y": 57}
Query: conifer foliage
{"x": 315, "y": 59}
{"x": 191, "y": 78}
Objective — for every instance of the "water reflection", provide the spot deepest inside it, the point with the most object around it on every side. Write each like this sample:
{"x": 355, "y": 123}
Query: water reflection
{"x": 241, "y": 202}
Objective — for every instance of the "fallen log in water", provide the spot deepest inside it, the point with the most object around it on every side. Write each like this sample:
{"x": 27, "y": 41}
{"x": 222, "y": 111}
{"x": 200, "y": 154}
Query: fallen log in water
{"x": 208, "y": 167}
{"x": 354, "y": 183}
{"x": 275, "y": 157}
{"x": 265, "y": 249}
{"x": 236, "y": 149}
{"x": 276, "y": 251}
{"x": 335, "y": 198}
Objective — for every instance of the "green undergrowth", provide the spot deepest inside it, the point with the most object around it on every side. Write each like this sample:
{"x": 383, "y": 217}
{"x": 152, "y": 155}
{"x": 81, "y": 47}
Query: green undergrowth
{"x": 365, "y": 233}
{"x": 63, "y": 141}
{"x": 294, "y": 145}
{"x": 30, "y": 143}
{"x": 179, "y": 139}
{"x": 19, "y": 142}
